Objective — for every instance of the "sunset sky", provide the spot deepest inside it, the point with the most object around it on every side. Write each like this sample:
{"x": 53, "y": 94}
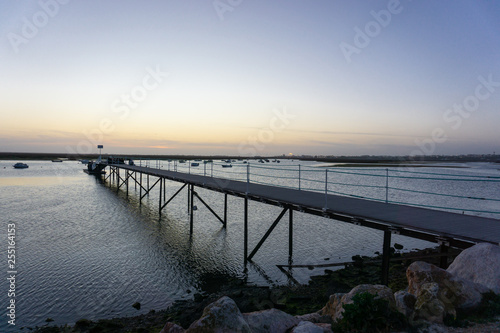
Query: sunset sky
{"x": 249, "y": 77}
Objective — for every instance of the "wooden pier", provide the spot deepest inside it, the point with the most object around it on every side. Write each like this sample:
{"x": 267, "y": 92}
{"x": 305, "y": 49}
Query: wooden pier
{"x": 441, "y": 227}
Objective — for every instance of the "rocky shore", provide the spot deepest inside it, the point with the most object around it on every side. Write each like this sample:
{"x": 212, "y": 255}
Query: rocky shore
{"x": 420, "y": 297}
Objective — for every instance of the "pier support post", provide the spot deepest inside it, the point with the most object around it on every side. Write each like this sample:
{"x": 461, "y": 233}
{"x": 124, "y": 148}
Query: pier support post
{"x": 126, "y": 179}
{"x": 245, "y": 233}
{"x": 159, "y": 201}
{"x": 225, "y": 210}
{"x": 386, "y": 256}
{"x": 191, "y": 217}
{"x": 443, "y": 249}
{"x": 290, "y": 235}
{"x": 140, "y": 191}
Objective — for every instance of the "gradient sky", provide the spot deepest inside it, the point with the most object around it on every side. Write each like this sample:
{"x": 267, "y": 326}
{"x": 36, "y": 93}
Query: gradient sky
{"x": 250, "y": 77}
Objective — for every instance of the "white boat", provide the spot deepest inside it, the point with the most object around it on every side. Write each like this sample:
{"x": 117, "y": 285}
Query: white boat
{"x": 20, "y": 165}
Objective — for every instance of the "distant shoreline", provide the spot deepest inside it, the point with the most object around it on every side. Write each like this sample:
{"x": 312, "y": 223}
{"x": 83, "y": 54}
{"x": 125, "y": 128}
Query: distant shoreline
{"x": 380, "y": 161}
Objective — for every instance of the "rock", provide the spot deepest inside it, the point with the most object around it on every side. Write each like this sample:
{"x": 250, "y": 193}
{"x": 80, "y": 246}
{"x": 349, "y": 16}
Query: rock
{"x": 314, "y": 317}
{"x": 334, "y": 307}
{"x": 327, "y": 328}
{"x": 429, "y": 306}
{"x": 272, "y": 320}
{"x": 172, "y": 328}
{"x": 307, "y": 327}
{"x": 433, "y": 328}
{"x": 405, "y": 302}
{"x": 220, "y": 316}
{"x": 453, "y": 291}
{"x": 480, "y": 264}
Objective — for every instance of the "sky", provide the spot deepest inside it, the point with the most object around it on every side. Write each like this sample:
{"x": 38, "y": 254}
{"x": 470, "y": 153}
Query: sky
{"x": 243, "y": 77}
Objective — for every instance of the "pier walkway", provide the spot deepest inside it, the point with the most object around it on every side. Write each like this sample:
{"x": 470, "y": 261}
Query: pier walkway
{"x": 442, "y": 227}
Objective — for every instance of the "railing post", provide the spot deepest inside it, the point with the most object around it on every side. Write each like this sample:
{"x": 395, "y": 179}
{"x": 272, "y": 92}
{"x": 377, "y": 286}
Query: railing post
{"x": 386, "y": 185}
{"x": 299, "y": 177}
{"x": 204, "y": 169}
{"x": 189, "y": 167}
{"x": 212, "y": 169}
{"x": 326, "y": 189}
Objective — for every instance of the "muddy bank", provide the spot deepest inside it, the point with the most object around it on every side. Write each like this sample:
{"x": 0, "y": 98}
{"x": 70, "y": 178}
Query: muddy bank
{"x": 293, "y": 299}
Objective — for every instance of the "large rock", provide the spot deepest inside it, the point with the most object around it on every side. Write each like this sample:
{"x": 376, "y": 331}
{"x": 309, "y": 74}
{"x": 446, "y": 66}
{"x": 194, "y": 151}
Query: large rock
{"x": 453, "y": 291}
{"x": 272, "y": 320}
{"x": 405, "y": 302}
{"x": 221, "y": 316}
{"x": 315, "y": 317}
{"x": 334, "y": 307}
{"x": 429, "y": 306}
{"x": 307, "y": 327}
{"x": 172, "y": 328}
{"x": 480, "y": 264}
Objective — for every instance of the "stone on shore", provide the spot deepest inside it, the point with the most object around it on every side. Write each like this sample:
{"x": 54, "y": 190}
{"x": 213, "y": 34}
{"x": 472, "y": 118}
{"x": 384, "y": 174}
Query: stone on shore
{"x": 272, "y": 320}
{"x": 172, "y": 328}
{"x": 221, "y": 316}
{"x": 440, "y": 293}
{"x": 307, "y": 327}
{"x": 458, "y": 292}
{"x": 315, "y": 317}
{"x": 480, "y": 264}
{"x": 334, "y": 307}
{"x": 405, "y": 302}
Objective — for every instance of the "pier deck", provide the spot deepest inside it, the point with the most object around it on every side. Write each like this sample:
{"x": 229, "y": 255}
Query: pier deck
{"x": 441, "y": 227}
{"x": 427, "y": 224}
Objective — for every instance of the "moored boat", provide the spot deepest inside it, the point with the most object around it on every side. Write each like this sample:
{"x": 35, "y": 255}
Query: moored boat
{"x": 20, "y": 165}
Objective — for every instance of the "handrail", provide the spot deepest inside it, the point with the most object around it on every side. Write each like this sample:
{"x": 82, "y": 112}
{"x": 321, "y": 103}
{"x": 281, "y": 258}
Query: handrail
{"x": 316, "y": 179}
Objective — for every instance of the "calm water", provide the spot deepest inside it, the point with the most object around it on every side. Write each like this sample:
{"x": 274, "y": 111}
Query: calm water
{"x": 88, "y": 250}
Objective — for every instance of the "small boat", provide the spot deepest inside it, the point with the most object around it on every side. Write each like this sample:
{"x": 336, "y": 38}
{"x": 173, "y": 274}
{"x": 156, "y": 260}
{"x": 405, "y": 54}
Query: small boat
{"x": 182, "y": 161}
{"x": 227, "y": 166}
{"x": 94, "y": 168}
{"x": 195, "y": 164}
{"x": 57, "y": 160}
{"x": 84, "y": 161}
{"x": 20, "y": 165}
